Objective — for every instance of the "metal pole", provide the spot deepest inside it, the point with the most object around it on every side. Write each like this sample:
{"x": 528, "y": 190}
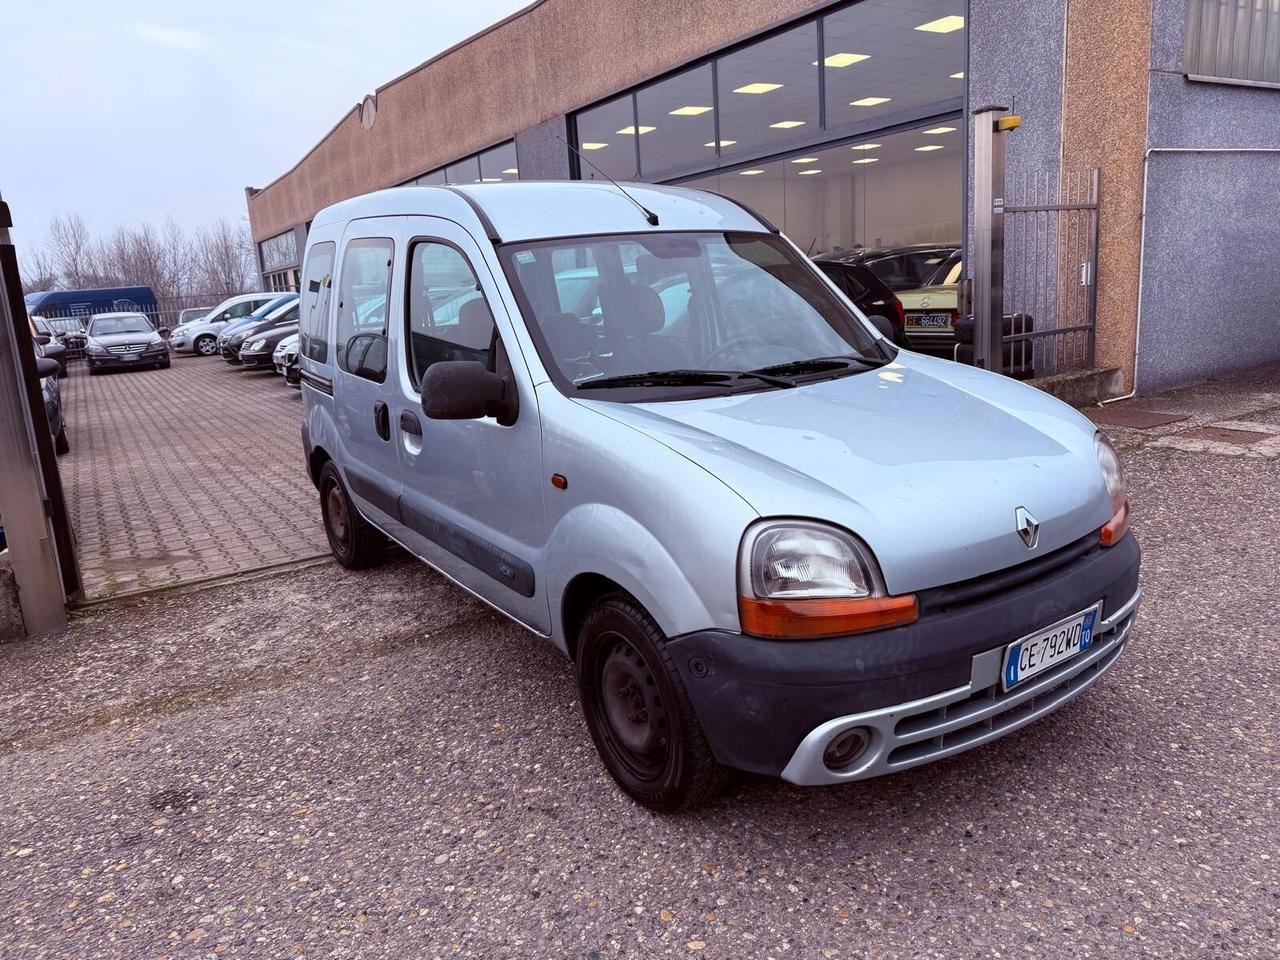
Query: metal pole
{"x": 22, "y": 493}
{"x": 988, "y": 238}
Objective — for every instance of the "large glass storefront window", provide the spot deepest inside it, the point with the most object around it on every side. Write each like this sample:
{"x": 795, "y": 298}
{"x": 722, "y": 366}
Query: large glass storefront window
{"x": 768, "y": 92}
{"x": 499, "y": 163}
{"x": 905, "y": 188}
{"x": 881, "y": 58}
{"x": 680, "y": 120}
{"x": 607, "y": 138}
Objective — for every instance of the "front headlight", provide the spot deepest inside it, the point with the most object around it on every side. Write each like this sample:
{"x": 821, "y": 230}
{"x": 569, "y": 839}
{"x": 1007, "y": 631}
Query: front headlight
{"x": 1113, "y": 475}
{"x": 799, "y": 578}
{"x": 96, "y": 349}
{"x": 256, "y": 345}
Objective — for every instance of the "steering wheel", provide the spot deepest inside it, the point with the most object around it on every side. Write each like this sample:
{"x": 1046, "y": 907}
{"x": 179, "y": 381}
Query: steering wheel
{"x": 742, "y": 347}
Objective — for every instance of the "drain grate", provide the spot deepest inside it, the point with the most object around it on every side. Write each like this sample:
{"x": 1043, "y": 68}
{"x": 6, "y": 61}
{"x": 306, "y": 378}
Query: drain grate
{"x": 1133, "y": 417}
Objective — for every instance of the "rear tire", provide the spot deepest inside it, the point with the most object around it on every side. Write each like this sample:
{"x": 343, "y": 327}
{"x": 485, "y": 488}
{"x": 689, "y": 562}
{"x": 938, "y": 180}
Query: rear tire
{"x": 60, "y": 443}
{"x": 354, "y": 542}
{"x": 638, "y": 711}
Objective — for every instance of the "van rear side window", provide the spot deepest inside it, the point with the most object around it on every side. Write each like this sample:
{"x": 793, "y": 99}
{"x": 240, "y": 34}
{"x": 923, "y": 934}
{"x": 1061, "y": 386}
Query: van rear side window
{"x": 363, "y": 300}
{"x": 313, "y": 303}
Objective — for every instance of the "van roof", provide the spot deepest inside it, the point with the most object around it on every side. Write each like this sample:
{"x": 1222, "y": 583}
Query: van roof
{"x": 532, "y": 210}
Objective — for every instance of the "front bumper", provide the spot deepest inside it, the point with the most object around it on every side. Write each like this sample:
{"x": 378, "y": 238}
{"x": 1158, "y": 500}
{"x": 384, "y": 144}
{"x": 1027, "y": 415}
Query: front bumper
{"x": 925, "y": 690}
{"x": 260, "y": 359}
{"x": 231, "y": 351}
{"x": 116, "y": 362}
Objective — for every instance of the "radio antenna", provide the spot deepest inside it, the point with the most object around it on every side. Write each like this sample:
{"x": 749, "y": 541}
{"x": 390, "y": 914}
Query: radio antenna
{"x": 649, "y": 215}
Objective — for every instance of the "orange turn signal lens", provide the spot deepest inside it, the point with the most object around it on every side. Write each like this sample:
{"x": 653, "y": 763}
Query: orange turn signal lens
{"x": 824, "y": 617}
{"x": 1113, "y": 530}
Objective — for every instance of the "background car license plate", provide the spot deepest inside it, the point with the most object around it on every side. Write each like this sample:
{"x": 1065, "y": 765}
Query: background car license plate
{"x": 931, "y": 321}
{"x": 1041, "y": 651}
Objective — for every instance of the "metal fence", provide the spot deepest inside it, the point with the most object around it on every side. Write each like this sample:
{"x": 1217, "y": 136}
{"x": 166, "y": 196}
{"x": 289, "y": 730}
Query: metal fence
{"x": 1050, "y": 270}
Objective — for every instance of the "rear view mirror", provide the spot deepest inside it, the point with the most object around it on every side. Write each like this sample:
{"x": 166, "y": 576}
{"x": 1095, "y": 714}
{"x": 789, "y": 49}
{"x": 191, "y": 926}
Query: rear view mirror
{"x": 463, "y": 390}
{"x": 42, "y": 339}
{"x": 46, "y": 367}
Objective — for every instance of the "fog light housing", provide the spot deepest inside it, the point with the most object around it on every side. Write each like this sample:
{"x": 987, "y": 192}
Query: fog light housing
{"x": 847, "y": 748}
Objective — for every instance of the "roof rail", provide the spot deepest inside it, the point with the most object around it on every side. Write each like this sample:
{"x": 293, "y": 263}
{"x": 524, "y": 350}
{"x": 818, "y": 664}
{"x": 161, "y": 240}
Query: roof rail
{"x": 768, "y": 224}
{"x": 490, "y": 230}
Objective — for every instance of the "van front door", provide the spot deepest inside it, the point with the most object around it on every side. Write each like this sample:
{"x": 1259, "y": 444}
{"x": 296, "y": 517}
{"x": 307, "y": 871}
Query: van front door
{"x": 471, "y": 504}
{"x": 363, "y": 393}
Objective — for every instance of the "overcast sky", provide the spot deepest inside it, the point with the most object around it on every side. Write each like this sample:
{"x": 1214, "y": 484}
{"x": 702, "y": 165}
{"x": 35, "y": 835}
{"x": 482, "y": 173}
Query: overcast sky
{"x": 131, "y": 111}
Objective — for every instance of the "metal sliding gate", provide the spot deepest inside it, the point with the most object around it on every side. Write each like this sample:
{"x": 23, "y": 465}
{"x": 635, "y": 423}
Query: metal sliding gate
{"x": 1051, "y": 269}
{"x": 1035, "y": 261}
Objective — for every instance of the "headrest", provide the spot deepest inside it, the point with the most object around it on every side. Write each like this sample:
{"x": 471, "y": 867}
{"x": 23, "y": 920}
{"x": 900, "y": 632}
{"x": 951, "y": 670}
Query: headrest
{"x": 631, "y": 309}
{"x": 648, "y": 268}
{"x": 475, "y": 324}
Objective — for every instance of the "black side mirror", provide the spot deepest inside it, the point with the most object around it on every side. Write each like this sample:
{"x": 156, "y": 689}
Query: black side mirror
{"x": 465, "y": 390}
{"x": 46, "y": 367}
{"x": 42, "y": 339}
{"x": 884, "y": 326}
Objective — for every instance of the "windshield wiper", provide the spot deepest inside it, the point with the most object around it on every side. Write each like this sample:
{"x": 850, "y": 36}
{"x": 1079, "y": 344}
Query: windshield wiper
{"x": 819, "y": 365}
{"x": 683, "y": 378}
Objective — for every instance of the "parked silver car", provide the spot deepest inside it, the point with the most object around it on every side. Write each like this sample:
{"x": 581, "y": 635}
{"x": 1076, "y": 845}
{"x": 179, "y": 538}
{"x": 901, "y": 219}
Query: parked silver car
{"x": 200, "y": 336}
{"x": 767, "y": 538}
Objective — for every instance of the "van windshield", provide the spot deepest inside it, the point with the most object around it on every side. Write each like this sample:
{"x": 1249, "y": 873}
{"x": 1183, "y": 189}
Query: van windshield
{"x": 691, "y": 305}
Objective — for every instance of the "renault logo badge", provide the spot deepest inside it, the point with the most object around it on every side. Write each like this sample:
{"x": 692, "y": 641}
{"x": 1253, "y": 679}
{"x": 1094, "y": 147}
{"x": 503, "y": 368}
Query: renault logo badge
{"x": 1028, "y": 527}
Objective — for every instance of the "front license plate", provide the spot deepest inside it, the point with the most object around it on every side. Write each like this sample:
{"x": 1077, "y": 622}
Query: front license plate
{"x": 1046, "y": 649}
{"x": 929, "y": 321}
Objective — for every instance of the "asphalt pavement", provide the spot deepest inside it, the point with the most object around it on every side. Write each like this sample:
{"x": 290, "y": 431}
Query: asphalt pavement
{"x": 319, "y": 763}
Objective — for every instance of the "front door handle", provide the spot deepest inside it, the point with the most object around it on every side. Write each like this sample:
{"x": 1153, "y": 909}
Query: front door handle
{"x": 409, "y": 423}
{"x": 382, "y": 420}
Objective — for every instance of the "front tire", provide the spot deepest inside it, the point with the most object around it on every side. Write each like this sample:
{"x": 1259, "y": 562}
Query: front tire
{"x": 60, "y": 443}
{"x": 206, "y": 346}
{"x": 638, "y": 711}
{"x": 354, "y": 542}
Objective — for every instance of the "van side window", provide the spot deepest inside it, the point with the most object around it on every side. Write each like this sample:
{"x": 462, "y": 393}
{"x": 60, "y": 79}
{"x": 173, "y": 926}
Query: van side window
{"x": 362, "y": 307}
{"x": 313, "y": 303}
{"x": 448, "y": 317}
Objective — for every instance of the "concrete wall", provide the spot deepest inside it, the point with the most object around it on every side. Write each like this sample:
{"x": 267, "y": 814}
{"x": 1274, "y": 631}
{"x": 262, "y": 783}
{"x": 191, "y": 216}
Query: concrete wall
{"x": 1104, "y": 126}
{"x": 551, "y": 58}
{"x": 1209, "y": 284}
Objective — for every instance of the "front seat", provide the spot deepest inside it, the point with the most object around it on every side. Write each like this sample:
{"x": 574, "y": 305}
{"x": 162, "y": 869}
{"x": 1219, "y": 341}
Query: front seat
{"x": 475, "y": 325}
{"x": 633, "y": 315}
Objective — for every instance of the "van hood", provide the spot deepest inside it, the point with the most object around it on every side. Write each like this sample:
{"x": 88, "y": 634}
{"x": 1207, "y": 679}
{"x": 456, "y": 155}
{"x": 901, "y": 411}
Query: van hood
{"x": 924, "y": 459}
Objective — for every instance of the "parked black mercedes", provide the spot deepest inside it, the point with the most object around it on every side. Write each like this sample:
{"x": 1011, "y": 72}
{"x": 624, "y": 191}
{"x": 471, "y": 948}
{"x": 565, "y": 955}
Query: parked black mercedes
{"x": 259, "y": 349}
{"x": 867, "y": 291}
{"x": 122, "y": 340}
{"x": 282, "y": 318}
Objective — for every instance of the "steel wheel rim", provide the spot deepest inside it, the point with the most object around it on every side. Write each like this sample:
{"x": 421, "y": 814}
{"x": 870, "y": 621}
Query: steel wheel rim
{"x": 336, "y": 509}
{"x": 631, "y": 709}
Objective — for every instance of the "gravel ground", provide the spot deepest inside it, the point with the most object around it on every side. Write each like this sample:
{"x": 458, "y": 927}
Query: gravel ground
{"x": 328, "y": 764}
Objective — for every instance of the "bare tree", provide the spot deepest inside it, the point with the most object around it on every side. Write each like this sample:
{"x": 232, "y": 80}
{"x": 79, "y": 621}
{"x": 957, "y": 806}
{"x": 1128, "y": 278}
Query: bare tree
{"x": 224, "y": 262}
{"x": 37, "y": 270}
{"x": 182, "y": 269}
{"x": 71, "y": 250}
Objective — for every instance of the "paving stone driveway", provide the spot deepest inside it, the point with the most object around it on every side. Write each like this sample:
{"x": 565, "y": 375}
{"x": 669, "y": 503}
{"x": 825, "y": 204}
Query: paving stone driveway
{"x": 183, "y": 474}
